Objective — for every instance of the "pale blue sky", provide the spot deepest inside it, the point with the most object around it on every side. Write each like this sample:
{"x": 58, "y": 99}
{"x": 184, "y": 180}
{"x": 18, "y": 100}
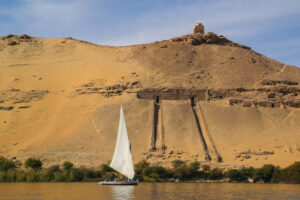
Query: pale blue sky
{"x": 271, "y": 27}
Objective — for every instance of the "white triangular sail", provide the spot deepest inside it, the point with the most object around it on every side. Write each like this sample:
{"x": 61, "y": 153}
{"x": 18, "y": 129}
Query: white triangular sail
{"x": 122, "y": 159}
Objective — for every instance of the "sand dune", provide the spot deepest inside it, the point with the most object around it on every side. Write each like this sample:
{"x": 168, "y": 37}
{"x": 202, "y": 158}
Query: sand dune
{"x": 59, "y": 100}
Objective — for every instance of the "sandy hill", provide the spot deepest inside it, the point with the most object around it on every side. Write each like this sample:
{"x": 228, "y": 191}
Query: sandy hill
{"x": 196, "y": 97}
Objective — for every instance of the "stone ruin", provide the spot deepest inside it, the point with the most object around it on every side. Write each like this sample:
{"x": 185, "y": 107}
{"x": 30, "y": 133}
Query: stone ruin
{"x": 198, "y": 28}
{"x": 199, "y": 37}
{"x": 281, "y": 94}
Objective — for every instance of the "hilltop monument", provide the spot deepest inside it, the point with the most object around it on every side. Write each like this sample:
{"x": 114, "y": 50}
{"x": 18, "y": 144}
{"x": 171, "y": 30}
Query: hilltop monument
{"x": 199, "y": 28}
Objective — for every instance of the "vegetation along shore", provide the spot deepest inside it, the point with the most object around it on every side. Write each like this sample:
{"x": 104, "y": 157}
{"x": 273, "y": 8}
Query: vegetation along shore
{"x": 32, "y": 171}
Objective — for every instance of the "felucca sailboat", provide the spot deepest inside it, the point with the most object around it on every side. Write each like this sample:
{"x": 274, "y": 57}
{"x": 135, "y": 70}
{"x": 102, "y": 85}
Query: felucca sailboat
{"x": 122, "y": 159}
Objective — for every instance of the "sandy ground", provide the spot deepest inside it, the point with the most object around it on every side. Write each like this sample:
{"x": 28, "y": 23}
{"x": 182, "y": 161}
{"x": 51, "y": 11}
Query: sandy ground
{"x": 51, "y": 120}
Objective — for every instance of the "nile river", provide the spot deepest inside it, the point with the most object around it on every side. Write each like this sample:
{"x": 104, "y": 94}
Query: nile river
{"x": 165, "y": 191}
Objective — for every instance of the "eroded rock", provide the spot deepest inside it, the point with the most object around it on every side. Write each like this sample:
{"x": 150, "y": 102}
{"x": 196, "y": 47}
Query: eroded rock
{"x": 276, "y": 82}
{"x": 6, "y": 108}
{"x": 211, "y": 38}
{"x": 12, "y": 43}
{"x": 107, "y": 91}
{"x": 25, "y": 37}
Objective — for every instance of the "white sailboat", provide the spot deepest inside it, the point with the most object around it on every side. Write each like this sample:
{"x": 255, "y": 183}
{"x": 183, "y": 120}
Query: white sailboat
{"x": 122, "y": 160}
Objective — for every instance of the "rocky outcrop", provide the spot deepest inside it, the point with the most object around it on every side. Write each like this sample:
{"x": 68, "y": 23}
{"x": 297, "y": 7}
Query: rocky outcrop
{"x": 207, "y": 38}
{"x": 293, "y": 103}
{"x": 249, "y": 103}
{"x": 8, "y": 36}
{"x": 276, "y": 82}
{"x": 12, "y": 43}
{"x": 198, "y": 38}
{"x": 25, "y": 37}
{"x": 97, "y": 87}
{"x": 8, "y": 108}
{"x": 171, "y": 94}
{"x": 12, "y": 40}
{"x": 16, "y": 96}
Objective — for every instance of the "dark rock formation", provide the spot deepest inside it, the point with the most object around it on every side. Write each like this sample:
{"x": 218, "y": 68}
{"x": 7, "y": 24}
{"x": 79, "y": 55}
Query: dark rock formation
{"x": 16, "y": 96}
{"x": 198, "y": 37}
{"x": 271, "y": 95}
{"x": 108, "y": 91}
{"x": 208, "y": 38}
{"x": 8, "y": 36}
{"x": 293, "y": 103}
{"x": 275, "y": 82}
{"x": 25, "y": 37}
{"x": 12, "y": 43}
{"x": 6, "y": 108}
{"x": 212, "y": 38}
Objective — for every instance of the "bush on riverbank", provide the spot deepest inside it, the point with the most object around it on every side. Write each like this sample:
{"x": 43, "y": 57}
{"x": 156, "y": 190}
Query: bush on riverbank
{"x": 180, "y": 170}
{"x": 55, "y": 173}
{"x": 6, "y": 164}
{"x": 33, "y": 163}
{"x": 290, "y": 174}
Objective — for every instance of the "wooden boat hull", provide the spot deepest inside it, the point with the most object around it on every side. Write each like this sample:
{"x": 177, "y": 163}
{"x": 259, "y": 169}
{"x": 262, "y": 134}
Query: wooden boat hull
{"x": 118, "y": 183}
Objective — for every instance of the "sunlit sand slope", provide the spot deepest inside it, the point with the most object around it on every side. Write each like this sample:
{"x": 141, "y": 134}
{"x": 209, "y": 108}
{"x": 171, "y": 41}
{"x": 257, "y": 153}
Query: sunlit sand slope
{"x": 60, "y": 100}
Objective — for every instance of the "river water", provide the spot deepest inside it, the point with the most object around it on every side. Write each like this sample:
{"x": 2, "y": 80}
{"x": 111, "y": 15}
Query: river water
{"x": 144, "y": 191}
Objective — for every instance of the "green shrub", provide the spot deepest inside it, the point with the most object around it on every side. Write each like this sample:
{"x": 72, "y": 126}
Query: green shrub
{"x": 267, "y": 173}
{"x": 46, "y": 175}
{"x": 60, "y": 177}
{"x": 247, "y": 172}
{"x": 194, "y": 169}
{"x": 206, "y": 168}
{"x": 6, "y": 164}
{"x": 76, "y": 175}
{"x": 67, "y": 165}
{"x": 98, "y": 174}
{"x": 21, "y": 176}
{"x": 90, "y": 174}
{"x": 32, "y": 176}
{"x": 53, "y": 169}
{"x": 181, "y": 171}
{"x": 144, "y": 171}
{"x": 3, "y": 177}
{"x": 177, "y": 163}
{"x": 33, "y": 163}
{"x": 215, "y": 174}
{"x": 195, "y": 166}
{"x": 156, "y": 172}
{"x": 106, "y": 168}
{"x": 235, "y": 175}
{"x": 140, "y": 169}
{"x": 11, "y": 176}
{"x": 148, "y": 179}
{"x": 291, "y": 174}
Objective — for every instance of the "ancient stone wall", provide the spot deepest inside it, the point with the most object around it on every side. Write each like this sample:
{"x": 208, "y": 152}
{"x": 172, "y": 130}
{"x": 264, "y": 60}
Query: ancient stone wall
{"x": 274, "y": 97}
{"x": 172, "y": 94}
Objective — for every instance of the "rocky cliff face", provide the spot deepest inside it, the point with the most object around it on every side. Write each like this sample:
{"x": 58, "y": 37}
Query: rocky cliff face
{"x": 195, "y": 97}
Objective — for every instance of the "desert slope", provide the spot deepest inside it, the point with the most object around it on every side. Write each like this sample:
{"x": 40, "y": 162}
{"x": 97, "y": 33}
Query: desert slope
{"x": 59, "y": 100}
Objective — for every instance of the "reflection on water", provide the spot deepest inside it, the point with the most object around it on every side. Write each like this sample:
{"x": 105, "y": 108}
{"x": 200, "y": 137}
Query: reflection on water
{"x": 120, "y": 192}
{"x": 147, "y": 191}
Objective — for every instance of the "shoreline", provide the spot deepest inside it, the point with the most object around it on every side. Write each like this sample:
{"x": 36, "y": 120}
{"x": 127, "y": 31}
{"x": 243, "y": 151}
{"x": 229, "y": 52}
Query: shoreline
{"x": 181, "y": 172}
